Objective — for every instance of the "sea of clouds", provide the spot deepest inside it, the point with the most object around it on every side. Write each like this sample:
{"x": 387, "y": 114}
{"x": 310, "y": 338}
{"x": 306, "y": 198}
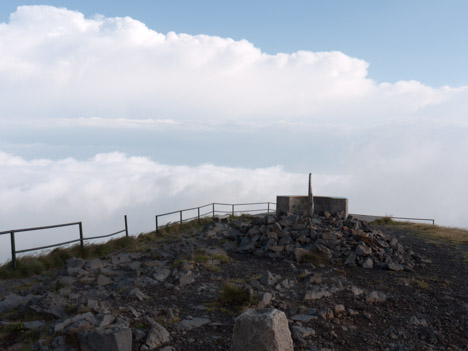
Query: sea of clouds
{"x": 93, "y": 87}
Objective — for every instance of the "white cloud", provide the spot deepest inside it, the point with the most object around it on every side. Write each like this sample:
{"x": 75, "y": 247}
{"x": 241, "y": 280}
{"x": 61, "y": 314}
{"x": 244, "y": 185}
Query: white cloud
{"x": 68, "y": 66}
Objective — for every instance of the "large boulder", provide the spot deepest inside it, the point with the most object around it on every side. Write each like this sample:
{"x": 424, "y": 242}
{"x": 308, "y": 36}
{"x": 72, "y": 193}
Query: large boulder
{"x": 262, "y": 330}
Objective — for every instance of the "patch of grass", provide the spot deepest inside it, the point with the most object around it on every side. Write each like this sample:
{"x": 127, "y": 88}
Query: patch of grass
{"x": 387, "y": 220}
{"x": 233, "y": 298}
{"x": 186, "y": 227}
{"x": 420, "y": 283}
{"x": 38, "y": 264}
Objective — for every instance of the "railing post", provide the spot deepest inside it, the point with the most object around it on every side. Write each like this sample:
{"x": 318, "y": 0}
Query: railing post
{"x": 157, "y": 228}
{"x": 13, "y": 249}
{"x": 180, "y": 217}
{"x": 81, "y": 235}
{"x": 126, "y": 226}
{"x": 198, "y": 214}
{"x": 268, "y": 207}
{"x": 233, "y": 210}
{"x": 213, "y": 209}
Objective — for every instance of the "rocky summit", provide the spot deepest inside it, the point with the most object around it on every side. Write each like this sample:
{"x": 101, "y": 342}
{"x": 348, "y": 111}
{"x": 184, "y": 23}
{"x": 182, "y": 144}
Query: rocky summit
{"x": 252, "y": 283}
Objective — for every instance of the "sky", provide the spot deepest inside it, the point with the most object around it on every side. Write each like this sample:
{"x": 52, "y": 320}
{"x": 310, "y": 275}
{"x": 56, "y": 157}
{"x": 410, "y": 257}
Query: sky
{"x": 138, "y": 108}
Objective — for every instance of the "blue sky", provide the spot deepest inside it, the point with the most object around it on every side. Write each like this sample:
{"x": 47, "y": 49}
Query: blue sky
{"x": 113, "y": 108}
{"x": 403, "y": 40}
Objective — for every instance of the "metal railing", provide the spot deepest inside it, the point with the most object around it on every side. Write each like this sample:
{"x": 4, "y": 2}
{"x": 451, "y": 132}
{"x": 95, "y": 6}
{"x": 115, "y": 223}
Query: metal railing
{"x": 81, "y": 239}
{"x": 227, "y": 209}
{"x": 393, "y": 217}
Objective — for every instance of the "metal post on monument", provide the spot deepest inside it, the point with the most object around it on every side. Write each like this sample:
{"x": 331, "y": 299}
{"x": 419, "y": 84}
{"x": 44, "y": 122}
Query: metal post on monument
{"x": 310, "y": 208}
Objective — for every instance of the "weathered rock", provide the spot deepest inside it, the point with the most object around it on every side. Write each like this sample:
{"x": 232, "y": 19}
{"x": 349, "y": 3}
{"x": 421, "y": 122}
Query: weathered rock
{"x": 268, "y": 278}
{"x": 11, "y": 301}
{"x": 363, "y": 250}
{"x": 395, "y": 266}
{"x": 162, "y": 274}
{"x": 157, "y": 336}
{"x": 103, "y": 280}
{"x": 368, "y": 263}
{"x": 265, "y": 300}
{"x": 302, "y": 317}
{"x": 317, "y": 292}
{"x": 262, "y": 330}
{"x": 375, "y": 297}
{"x": 110, "y": 339}
{"x": 302, "y": 332}
{"x": 188, "y": 324}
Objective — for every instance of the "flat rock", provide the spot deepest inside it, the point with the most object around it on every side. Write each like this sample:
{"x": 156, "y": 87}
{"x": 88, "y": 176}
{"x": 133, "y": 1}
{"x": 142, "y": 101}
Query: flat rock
{"x": 188, "y": 324}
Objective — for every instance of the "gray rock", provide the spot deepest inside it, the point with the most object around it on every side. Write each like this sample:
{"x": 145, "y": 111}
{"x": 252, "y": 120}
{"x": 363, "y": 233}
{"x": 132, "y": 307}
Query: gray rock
{"x": 262, "y": 330}
{"x": 317, "y": 292}
{"x": 11, "y": 301}
{"x": 157, "y": 336}
{"x": 121, "y": 258}
{"x": 355, "y": 290}
{"x": 102, "y": 280}
{"x": 110, "y": 339}
{"x": 268, "y": 278}
{"x": 363, "y": 250}
{"x": 188, "y": 324}
{"x": 376, "y": 297}
{"x": 186, "y": 278}
{"x": 85, "y": 319}
{"x": 265, "y": 300}
{"x": 136, "y": 293}
{"x": 302, "y": 317}
{"x": 75, "y": 262}
{"x": 368, "y": 263}
{"x": 302, "y": 332}
{"x": 94, "y": 264}
{"x": 162, "y": 274}
{"x": 50, "y": 303}
{"x": 395, "y": 267}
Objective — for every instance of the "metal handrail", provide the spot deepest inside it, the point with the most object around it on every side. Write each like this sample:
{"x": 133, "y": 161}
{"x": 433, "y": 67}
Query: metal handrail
{"x": 213, "y": 212}
{"x": 394, "y": 217}
{"x": 81, "y": 239}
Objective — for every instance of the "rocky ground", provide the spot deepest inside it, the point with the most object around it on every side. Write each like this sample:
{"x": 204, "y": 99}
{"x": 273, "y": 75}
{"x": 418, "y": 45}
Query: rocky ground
{"x": 344, "y": 285}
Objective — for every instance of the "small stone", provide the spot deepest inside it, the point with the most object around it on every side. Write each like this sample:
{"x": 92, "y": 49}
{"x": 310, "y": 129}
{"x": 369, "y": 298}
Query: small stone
{"x": 268, "y": 278}
{"x": 265, "y": 300}
{"x": 316, "y": 293}
{"x": 302, "y": 332}
{"x": 157, "y": 336}
{"x": 302, "y": 317}
{"x": 339, "y": 308}
{"x": 363, "y": 250}
{"x": 376, "y": 297}
{"x": 395, "y": 267}
{"x": 102, "y": 280}
{"x": 368, "y": 263}
{"x": 189, "y": 324}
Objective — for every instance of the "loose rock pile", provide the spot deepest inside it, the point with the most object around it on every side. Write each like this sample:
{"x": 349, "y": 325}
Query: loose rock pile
{"x": 350, "y": 241}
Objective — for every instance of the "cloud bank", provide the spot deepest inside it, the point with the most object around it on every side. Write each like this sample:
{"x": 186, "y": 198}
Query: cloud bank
{"x": 65, "y": 65}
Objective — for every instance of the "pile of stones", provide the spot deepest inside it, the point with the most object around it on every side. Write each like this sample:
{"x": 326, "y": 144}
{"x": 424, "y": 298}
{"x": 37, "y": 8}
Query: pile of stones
{"x": 347, "y": 241}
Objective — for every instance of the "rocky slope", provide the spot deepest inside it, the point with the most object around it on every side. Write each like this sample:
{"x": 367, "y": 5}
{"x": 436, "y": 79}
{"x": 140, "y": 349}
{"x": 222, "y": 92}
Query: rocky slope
{"x": 344, "y": 285}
